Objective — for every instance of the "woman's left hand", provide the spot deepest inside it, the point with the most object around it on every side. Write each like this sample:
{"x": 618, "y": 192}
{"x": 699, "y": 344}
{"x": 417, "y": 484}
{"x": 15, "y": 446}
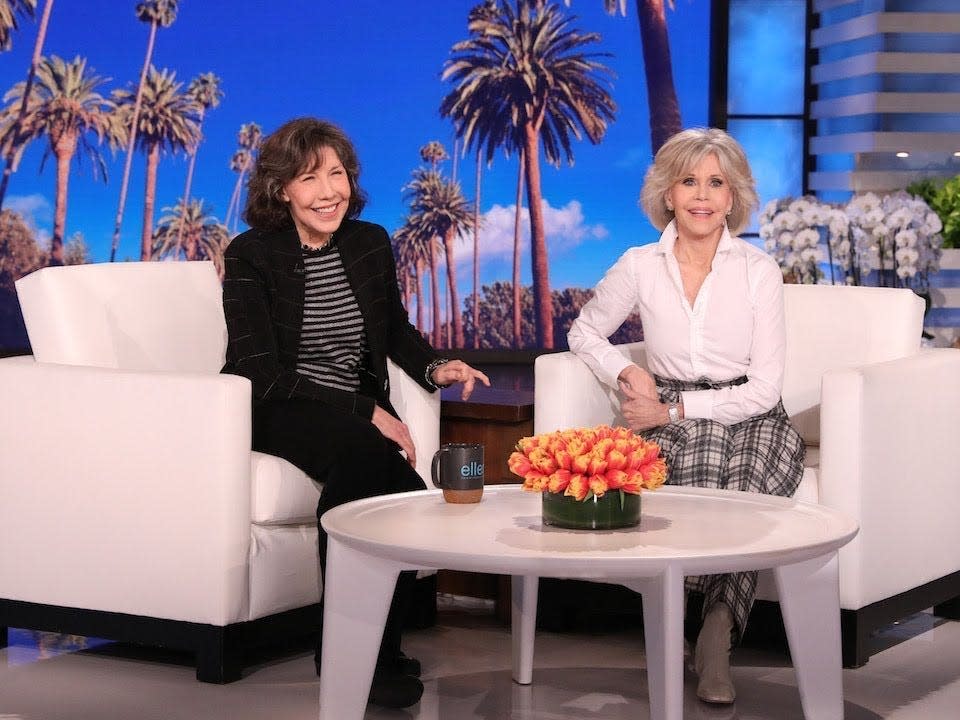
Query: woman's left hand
{"x": 458, "y": 371}
{"x": 642, "y": 412}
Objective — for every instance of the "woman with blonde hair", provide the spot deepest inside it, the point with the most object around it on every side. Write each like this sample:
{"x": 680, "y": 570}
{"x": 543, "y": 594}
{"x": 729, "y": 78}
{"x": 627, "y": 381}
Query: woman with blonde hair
{"x": 711, "y": 305}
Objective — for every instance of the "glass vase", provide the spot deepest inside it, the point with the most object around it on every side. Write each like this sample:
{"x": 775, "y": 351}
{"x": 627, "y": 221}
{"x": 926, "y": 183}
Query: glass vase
{"x": 615, "y": 509}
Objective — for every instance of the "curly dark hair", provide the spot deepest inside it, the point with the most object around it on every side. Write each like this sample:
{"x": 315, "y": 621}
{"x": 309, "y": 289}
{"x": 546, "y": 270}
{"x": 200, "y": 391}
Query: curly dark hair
{"x": 290, "y": 150}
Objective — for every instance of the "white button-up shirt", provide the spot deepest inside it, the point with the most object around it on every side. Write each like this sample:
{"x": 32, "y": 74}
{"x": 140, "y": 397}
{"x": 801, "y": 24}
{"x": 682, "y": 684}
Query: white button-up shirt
{"x": 735, "y": 327}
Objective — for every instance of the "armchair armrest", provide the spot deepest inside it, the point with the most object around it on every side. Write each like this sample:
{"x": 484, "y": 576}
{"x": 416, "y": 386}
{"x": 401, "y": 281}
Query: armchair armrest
{"x": 566, "y": 393}
{"x": 115, "y": 479}
{"x": 420, "y": 410}
{"x": 888, "y": 458}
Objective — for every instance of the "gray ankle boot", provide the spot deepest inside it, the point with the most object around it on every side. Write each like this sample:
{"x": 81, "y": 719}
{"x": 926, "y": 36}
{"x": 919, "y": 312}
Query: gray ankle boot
{"x": 712, "y": 656}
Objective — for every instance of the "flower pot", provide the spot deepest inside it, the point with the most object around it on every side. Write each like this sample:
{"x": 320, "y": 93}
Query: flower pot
{"x": 614, "y": 509}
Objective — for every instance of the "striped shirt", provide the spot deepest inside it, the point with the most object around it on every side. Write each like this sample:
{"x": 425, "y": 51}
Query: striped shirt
{"x": 332, "y": 338}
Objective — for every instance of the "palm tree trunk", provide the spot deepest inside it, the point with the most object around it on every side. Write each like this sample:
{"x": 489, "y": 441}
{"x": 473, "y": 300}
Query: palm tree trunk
{"x": 661, "y": 93}
{"x": 234, "y": 196}
{"x": 234, "y": 209}
{"x": 517, "y": 306}
{"x": 435, "y": 295}
{"x": 149, "y": 198}
{"x": 405, "y": 289}
{"x": 8, "y": 168}
{"x": 456, "y": 156}
{"x": 192, "y": 234}
{"x": 419, "y": 281}
{"x": 542, "y": 305}
{"x": 446, "y": 320}
{"x": 64, "y": 148}
{"x": 131, "y": 142}
{"x": 186, "y": 187}
{"x": 455, "y": 316}
{"x": 476, "y": 255}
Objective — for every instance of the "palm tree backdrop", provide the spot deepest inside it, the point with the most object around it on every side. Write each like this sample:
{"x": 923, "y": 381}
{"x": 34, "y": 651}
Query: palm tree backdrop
{"x": 421, "y": 230}
{"x": 65, "y": 107}
{"x": 249, "y": 138}
{"x": 204, "y": 90}
{"x": 476, "y": 122}
{"x": 404, "y": 265}
{"x": 433, "y": 153}
{"x": 477, "y": 111}
{"x": 11, "y": 150}
{"x": 443, "y": 211}
{"x": 662, "y": 98}
{"x": 412, "y": 252}
{"x": 167, "y": 121}
{"x": 189, "y": 231}
{"x": 9, "y": 10}
{"x": 526, "y": 57}
{"x": 159, "y": 13}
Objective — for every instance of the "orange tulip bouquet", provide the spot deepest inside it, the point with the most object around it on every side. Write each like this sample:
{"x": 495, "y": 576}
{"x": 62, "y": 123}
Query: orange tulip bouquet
{"x": 590, "y": 478}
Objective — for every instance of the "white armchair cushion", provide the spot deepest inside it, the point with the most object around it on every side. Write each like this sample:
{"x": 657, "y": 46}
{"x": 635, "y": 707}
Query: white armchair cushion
{"x": 837, "y": 326}
{"x": 284, "y": 568}
{"x": 568, "y": 395}
{"x": 138, "y": 316}
{"x": 281, "y": 493}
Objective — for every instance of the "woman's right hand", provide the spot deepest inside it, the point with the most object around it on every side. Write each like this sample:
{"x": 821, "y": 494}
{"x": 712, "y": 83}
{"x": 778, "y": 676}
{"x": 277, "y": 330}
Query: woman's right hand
{"x": 636, "y": 382}
{"x": 393, "y": 429}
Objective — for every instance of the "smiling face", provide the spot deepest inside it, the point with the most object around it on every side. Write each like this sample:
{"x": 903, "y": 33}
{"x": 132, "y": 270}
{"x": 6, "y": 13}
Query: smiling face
{"x": 701, "y": 200}
{"x": 318, "y": 197}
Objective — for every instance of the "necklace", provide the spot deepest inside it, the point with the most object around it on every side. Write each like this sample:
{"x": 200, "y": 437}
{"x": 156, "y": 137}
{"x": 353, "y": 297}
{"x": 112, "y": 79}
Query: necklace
{"x": 311, "y": 248}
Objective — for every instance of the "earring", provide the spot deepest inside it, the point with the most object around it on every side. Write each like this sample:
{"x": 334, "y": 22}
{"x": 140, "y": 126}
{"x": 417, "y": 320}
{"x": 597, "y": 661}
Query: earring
{"x": 670, "y": 207}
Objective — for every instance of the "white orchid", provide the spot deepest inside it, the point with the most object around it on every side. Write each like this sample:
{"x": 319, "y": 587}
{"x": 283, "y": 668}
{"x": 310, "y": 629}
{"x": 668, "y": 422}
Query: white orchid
{"x": 897, "y": 234}
{"x": 906, "y": 238}
{"x": 792, "y": 231}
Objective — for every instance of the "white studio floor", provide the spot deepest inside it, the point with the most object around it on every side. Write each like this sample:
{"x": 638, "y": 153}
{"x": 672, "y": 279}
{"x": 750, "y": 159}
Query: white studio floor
{"x": 466, "y": 674}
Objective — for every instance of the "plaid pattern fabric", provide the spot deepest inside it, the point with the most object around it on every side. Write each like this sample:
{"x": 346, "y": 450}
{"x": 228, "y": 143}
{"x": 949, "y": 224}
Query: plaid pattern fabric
{"x": 763, "y": 454}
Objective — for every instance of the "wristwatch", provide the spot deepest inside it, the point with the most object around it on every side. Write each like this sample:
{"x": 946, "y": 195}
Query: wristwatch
{"x": 673, "y": 412}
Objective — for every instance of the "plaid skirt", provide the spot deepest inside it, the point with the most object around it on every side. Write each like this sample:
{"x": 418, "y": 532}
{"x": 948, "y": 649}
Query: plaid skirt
{"x": 762, "y": 454}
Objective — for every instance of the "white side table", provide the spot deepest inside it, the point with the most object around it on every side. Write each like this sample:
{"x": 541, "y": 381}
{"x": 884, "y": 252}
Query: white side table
{"x": 683, "y": 531}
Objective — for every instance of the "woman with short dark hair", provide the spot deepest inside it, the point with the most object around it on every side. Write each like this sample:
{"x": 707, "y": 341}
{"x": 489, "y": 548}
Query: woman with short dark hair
{"x": 313, "y": 311}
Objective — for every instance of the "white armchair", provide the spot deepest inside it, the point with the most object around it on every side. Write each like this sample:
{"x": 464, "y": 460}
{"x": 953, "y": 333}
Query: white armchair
{"x": 880, "y": 418}
{"x": 132, "y": 506}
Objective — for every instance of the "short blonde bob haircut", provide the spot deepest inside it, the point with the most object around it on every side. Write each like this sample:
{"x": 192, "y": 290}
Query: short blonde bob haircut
{"x": 679, "y": 155}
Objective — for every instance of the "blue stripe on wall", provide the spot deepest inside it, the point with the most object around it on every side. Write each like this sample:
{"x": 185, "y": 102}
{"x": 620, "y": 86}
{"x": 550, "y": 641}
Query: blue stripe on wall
{"x": 942, "y": 317}
{"x": 945, "y": 279}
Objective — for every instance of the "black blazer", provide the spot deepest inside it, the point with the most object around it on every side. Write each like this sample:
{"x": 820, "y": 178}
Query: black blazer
{"x": 263, "y": 291}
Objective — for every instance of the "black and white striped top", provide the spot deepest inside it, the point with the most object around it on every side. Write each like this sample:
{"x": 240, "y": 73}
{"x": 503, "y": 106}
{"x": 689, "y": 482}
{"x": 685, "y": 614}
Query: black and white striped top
{"x": 332, "y": 339}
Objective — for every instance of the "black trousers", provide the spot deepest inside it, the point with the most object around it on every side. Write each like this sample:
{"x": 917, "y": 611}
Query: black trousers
{"x": 353, "y": 460}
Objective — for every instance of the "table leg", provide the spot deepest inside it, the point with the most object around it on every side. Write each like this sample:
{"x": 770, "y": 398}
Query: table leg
{"x": 356, "y": 600}
{"x": 523, "y": 625}
{"x": 810, "y": 603}
{"x": 663, "y": 641}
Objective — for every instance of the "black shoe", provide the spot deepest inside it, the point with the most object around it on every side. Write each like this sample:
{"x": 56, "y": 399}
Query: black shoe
{"x": 404, "y": 665}
{"x": 408, "y": 665}
{"x": 394, "y": 690}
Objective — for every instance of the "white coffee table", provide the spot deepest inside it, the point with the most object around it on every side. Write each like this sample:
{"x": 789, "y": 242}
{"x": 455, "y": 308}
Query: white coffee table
{"x": 683, "y": 531}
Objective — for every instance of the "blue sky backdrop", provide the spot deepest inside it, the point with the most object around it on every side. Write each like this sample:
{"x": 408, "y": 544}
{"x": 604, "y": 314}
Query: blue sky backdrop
{"x": 373, "y": 67}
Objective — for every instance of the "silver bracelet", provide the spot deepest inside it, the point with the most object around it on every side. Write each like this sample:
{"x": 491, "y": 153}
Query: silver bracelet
{"x": 673, "y": 412}
{"x": 428, "y": 373}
